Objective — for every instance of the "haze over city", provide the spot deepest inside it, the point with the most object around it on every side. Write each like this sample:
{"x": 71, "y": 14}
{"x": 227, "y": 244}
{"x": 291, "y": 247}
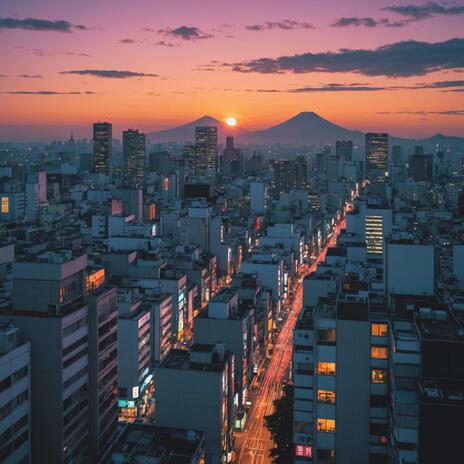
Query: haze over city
{"x": 365, "y": 65}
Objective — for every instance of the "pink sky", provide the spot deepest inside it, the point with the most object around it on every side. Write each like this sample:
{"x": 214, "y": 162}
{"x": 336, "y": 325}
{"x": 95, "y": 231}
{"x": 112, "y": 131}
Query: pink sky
{"x": 182, "y": 91}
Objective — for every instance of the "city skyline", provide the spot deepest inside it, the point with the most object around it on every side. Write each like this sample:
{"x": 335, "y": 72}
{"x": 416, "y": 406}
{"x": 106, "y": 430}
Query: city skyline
{"x": 159, "y": 65}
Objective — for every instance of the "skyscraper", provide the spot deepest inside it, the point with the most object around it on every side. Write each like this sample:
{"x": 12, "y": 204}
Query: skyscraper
{"x": 344, "y": 149}
{"x": 376, "y": 155}
{"x": 206, "y": 150}
{"x": 290, "y": 175}
{"x": 231, "y": 158}
{"x": 102, "y": 147}
{"x": 134, "y": 156}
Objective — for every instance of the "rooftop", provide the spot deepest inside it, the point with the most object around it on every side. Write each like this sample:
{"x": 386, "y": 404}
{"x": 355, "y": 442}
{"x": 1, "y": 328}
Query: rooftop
{"x": 154, "y": 444}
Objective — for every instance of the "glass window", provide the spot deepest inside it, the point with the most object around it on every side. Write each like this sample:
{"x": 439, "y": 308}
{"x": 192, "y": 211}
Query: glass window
{"x": 378, "y": 375}
{"x": 379, "y": 352}
{"x": 327, "y": 336}
{"x": 379, "y": 330}
{"x": 326, "y": 396}
{"x": 326, "y": 425}
{"x": 303, "y": 427}
{"x": 326, "y": 368}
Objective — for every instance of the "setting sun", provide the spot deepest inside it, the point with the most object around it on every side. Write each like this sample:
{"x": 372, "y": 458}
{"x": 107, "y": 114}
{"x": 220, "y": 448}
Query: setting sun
{"x": 231, "y": 121}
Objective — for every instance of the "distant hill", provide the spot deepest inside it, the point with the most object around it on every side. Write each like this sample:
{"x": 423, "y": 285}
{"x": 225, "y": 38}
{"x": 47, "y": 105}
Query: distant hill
{"x": 186, "y": 132}
{"x": 306, "y": 128}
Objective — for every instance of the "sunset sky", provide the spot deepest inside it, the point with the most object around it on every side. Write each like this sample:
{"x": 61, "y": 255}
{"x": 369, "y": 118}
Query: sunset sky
{"x": 364, "y": 64}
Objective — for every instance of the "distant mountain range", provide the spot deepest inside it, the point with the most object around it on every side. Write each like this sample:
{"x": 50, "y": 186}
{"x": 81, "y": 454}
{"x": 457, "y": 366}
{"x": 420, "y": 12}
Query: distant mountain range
{"x": 306, "y": 128}
{"x": 186, "y": 132}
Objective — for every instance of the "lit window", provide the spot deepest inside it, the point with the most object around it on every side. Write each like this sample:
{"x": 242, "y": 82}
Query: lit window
{"x": 326, "y": 368}
{"x": 326, "y": 425}
{"x": 379, "y": 352}
{"x": 378, "y": 375}
{"x": 326, "y": 396}
{"x": 379, "y": 330}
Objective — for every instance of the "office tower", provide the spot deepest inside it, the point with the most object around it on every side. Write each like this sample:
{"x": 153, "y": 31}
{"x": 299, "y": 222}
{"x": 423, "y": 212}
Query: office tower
{"x": 397, "y": 154}
{"x": 301, "y": 173}
{"x": 376, "y": 155}
{"x": 419, "y": 150}
{"x": 188, "y": 153}
{"x": 206, "y": 150}
{"x": 39, "y": 178}
{"x": 258, "y": 197}
{"x": 103, "y": 371}
{"x": 48, "y": 308}
{"x": 231, "y": 158}
{"x": 421, "y": 167}
{"x": 15, "y": 396}
{"x": 461, "y": 203}
{"x": 344, "y": 149}
{"x": 32, "y": 202}
{"x": 134, "y": 157}
{"x": 290, "y": 175}
{"x": 195, "y": 390}
{"x": 102, "y": 147}
{"x": 377, "y": 219}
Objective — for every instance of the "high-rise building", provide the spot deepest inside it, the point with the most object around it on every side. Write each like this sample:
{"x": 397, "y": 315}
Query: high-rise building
{"x": 49, "y": 309}
{"x": 376, "y": 155}
{"x": 102, "y": 147}
{"x": 421, "y": 167}
{"x": 397, "y": 153}
{"x": 103, "y": 371}
{"x": 15, "y": 396}
{"x": 231, "y": 158}
{"x": 290, "y": 175}
{"x": 344, "y": 149}
{"x": 206, "y": 150}
{"x": 133, "y": 142}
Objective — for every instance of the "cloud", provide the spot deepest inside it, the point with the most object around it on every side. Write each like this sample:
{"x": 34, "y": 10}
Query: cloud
{"x": 284, "y": 24}
{"x": 30, "y": 76}
{"x": 418, "y": 12}
{"x": 108, "y": 73}
{"x": 426, "y": 113}
{"x": 186, "y": 33}
{"x": 33, "y": 24}
{"x": 401, "y": 59}
{"x": 355, "y": 87}
{"x": 367, "y": 22}
{"x": 163, "y": 43}
{"x": 41, "y": 52}
{"x": 128, "y": 41}
{"x": 46, "y": 92}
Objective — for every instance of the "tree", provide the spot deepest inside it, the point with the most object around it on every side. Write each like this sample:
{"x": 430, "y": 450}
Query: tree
{"x": 280, "y": 425}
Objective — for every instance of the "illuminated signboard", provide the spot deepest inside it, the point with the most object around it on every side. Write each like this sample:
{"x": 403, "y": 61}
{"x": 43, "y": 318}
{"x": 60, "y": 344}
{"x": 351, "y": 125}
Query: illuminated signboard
{"x": 126, "y": 404}
{"x": 304, "y": 451}
{"x": 135, "y": 392}
{"x": 5, "y": 208}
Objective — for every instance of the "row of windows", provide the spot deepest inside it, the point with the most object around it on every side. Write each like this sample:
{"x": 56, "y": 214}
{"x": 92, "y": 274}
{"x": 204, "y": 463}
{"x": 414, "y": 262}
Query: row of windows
{"x": 14, "y": 429}
{"x": 13, "y": 446}
{"x": 11, "y": 405}
{"x": 7, "y": 382}
{"x": 74, "y": 326}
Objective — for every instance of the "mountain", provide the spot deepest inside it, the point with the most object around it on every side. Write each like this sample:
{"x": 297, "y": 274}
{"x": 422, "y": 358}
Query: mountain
{"x": 186, "y": 132}
{"x": 304, "y": 128}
